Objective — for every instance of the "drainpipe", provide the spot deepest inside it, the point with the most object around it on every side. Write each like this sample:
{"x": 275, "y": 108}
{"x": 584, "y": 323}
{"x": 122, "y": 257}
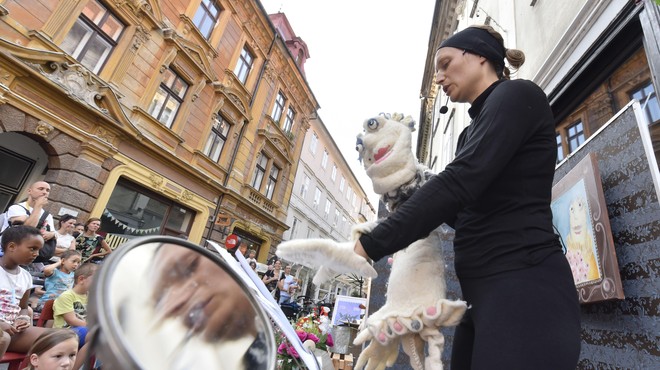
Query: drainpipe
{"x": 240, "y": 138}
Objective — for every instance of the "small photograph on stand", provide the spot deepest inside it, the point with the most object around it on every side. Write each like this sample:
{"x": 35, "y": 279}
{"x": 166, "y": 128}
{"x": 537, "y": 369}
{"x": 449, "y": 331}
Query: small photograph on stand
{"x": 581, "y": 220}
{"x": 347, "y": 310}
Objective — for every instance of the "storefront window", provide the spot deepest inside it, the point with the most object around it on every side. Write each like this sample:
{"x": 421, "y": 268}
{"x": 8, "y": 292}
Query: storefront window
{"x": 135, "y": 211}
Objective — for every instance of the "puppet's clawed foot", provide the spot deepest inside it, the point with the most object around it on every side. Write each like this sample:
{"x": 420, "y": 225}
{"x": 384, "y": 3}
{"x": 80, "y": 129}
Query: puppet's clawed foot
{"x": 387, "y": 326}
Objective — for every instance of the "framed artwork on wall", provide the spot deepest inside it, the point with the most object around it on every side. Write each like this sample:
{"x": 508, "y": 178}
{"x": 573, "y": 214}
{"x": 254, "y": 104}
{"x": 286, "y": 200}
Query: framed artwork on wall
{"x": 580, "y": 218}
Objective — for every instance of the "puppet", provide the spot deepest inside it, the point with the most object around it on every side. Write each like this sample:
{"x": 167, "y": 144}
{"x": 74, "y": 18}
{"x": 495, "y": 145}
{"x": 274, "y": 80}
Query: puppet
{"x": 416, "y": 306}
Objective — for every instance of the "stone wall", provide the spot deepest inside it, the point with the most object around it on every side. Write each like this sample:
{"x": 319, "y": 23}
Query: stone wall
{"x": 624, "y": 334}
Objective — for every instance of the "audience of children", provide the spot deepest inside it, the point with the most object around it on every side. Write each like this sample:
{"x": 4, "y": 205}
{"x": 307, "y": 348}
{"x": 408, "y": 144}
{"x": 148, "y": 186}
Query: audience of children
{"x": 54, "y": 350}
{"x": 70, "y": 308}
{"x": 21, "y": 246}
{"x": 59, "y": 276}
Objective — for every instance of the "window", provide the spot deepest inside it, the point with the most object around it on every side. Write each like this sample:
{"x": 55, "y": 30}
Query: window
{"x": 310, "y": 232}
{"x": 649, "y": 101}
{"x": 354, "y": 200}
{"x": 317, "y": 197}
{"x": 206, "y": 17}
{"x": 314, "y": 143}
{"x": 336, "y": 217}
{"x": 324, "y": 161}
{"x": 560, "y": 149}
{"x": 217, "y": 138}
{"x": 279, "y": 107}
{"x": 348, "y": 193}
{"x": 244, "y": 65}
{"x": 288, "y": 122}
{"x": 342, "y": 183}
{"x": 304, "y": 187}
{"x": 93, "y": 36}
{"x": 327, "y": 207}
{"x": 168, "y": 98}
{"x": 334, "y": 172}
{"x": 293, "y": 228}
{"x": 575, "y": 133}
{"x": 272, "y": 181}
{"x": 259, "y": 171}
{"x": 134, "y": 210}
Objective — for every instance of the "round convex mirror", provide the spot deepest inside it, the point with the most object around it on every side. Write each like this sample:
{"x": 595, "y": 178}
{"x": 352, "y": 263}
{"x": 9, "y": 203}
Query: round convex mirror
{"x": 164, "y": 303}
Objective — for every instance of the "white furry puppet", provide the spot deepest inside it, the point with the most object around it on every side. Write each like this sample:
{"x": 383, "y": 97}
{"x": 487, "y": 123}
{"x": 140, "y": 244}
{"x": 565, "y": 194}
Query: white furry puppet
{"x": 416, "y": 306}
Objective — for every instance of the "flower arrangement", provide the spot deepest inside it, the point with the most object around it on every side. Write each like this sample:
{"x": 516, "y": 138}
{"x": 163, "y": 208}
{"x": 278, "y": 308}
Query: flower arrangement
{"x": 313, "y": 331}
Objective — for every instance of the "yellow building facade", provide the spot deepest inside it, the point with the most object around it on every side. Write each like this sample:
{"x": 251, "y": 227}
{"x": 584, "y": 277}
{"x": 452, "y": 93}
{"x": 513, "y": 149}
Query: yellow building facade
{"x": 180, "y": 118}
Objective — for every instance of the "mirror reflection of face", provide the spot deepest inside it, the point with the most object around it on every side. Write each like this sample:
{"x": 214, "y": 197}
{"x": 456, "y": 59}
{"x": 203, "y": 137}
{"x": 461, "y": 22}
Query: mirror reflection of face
{"x": 195, "y": 289}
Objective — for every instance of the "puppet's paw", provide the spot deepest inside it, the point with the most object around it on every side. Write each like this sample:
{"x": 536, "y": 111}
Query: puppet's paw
{"x": 436, "y": 341}
{"x": 338, "y": 257}
{"x": 443, "y": 313}
{"x": 323, "y": 274}
{"x": 386, "y": 329}
{"x": 377, "y": 356}
{"x": 363, "y": 228}
{"x": 413, "y": 346}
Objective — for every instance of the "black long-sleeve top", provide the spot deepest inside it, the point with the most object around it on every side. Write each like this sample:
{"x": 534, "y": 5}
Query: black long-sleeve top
{"x": 496, "y": 193}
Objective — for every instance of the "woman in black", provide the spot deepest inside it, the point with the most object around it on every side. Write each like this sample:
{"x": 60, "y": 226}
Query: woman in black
{"x": 496, "y": 194}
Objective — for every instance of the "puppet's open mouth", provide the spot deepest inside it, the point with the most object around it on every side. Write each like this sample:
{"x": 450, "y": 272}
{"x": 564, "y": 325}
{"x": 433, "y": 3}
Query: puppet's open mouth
{"x": 382, "y": 154}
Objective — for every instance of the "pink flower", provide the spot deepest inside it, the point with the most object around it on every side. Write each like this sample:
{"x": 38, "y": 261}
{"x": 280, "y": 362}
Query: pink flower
{"x": 292, "y": 352}
{"x": 282, "y": 348}
{"x": 312, "y": 337}
{"x": 302, "y": 335}
{"x": 329, "y": 341}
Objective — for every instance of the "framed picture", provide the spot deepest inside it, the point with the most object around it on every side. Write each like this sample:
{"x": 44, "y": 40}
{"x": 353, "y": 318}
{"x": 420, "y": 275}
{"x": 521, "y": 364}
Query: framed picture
{"x": 348, "y": 310}
{"x": 581, "y": 220}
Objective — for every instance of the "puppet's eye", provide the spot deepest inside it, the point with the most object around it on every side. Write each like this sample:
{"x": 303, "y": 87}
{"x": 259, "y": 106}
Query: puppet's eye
{"x": 359, "y": 147}
{"x": 372, "y": 124}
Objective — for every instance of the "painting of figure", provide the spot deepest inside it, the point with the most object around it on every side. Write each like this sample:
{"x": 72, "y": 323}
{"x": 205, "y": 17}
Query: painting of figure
{"x": 579, "y": 215}
{"x": 576, "y": 230}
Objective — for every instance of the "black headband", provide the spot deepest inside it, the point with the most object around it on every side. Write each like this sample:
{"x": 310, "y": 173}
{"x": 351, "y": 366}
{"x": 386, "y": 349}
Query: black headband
{"x": 478, "y": 41}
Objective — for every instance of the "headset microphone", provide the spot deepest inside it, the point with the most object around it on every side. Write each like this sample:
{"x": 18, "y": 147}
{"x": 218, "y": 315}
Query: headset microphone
{"x": 444, "y": 109}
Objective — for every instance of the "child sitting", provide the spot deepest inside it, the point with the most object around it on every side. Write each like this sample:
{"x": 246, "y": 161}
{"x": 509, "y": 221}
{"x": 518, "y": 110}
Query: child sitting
{"x": 70, "y": 308}
{"x": 59, "y": 276}
{"x": 54, "y": 349}
{"x": 20, "y": 245}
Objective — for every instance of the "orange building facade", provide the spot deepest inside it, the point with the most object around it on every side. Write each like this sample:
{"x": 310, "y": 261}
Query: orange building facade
{"x": 180, "y": 118}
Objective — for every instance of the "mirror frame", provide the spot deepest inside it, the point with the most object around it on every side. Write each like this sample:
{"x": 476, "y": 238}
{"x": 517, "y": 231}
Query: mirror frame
{"x": 105, "y": 330}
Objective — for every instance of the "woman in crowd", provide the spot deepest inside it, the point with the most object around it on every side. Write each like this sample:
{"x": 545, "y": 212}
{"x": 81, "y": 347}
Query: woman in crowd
{"x": 91, "y": 245}
{"x": 272, "y": 277}
{"x": 65, "y": 239}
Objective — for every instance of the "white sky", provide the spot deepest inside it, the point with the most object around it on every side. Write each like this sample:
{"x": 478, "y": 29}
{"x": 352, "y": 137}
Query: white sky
{"x": 366, "y": 57}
